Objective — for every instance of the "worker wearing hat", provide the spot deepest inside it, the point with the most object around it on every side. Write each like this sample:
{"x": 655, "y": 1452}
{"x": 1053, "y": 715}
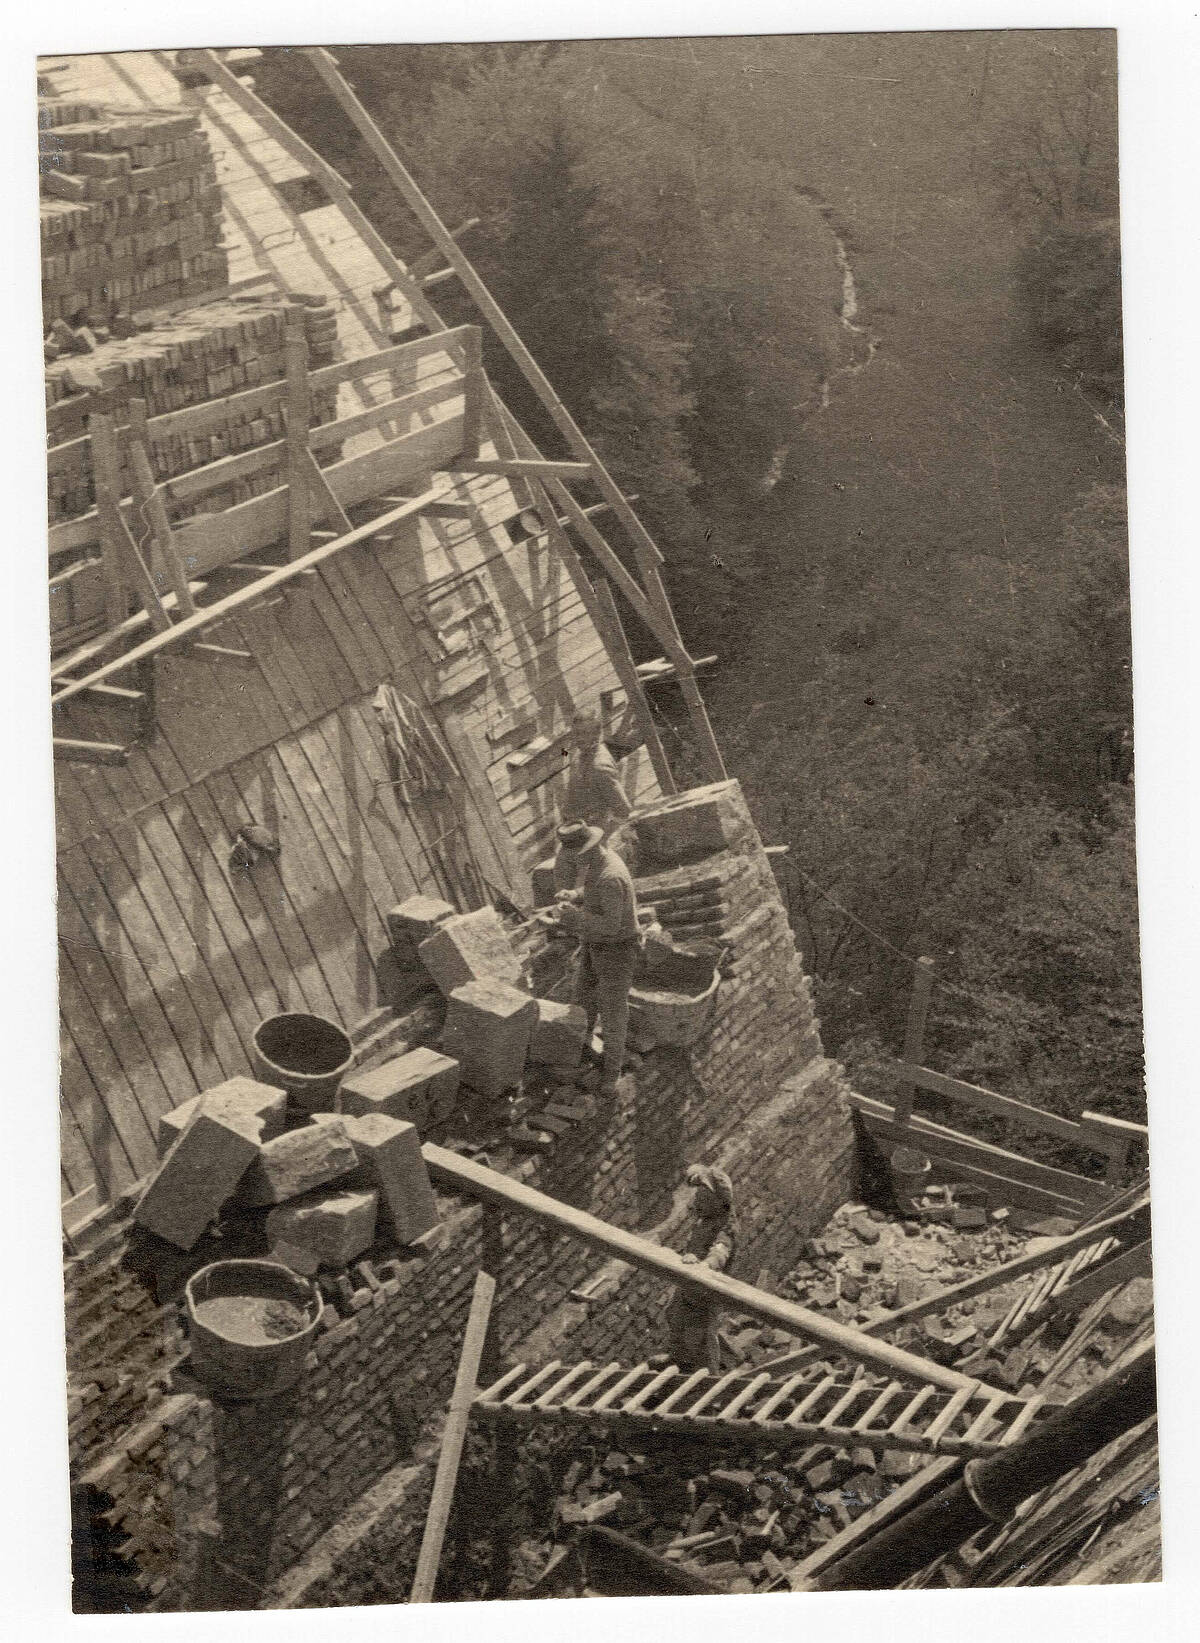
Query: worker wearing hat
{"x": 692, "y": 1316}
{"x": 602, "y": 912}
{"x": 594, "y": 793}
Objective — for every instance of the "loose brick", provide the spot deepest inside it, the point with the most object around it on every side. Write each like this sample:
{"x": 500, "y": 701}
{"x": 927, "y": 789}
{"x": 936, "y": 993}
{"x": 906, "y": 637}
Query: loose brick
{"x": 488, "y": 1030}
{"x": 413, "y": 922}
{"x": 334, "y": 1226}
{"x": 236, "y": 1095}
{"x": 419, "y": 1087}
{"x": 470, "y": 947}
{"x": 297, "y": 1162}
{"x": 196, "y": 1178}
{"x": 558, "y": 1034}
{"x": 390, "y": 1161}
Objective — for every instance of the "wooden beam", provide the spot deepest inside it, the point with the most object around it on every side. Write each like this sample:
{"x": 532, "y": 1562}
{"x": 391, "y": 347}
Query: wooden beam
{"x": 424, "y": 265}
{"x": 64, "y": 665}
{"x": 453, "y": 1437}
{"x": 326, "y": 503}
{"x": 473, "y": 1180}
{"x": 117, "y": 695}
{"x": 474, "y": 393}
{"x": 244, "y": 596}
{"x": 120, "y": 549}
{"x": 299, "y": 415}
{"x": 622, "y": 660}
{"x": 69, "y": 751}
{"x": 153, "y": 508}
{"x": 524, "y": 469}
{"x": 914, "y": 1033}
{"x": 218, "y": 653}
{"x": 984, "y": 1100}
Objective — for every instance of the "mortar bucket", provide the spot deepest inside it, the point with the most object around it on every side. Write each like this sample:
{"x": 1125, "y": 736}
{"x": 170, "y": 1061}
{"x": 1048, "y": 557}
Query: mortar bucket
{"x": 250, "y": 1325}
{"x": 306, "y": 1055}
{"x": 910, "y": 1175}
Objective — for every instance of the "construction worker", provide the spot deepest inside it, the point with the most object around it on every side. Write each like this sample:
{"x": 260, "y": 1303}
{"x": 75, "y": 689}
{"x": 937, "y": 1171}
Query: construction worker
{"x": 602, "y": 912}
{"x": 594, "y": 793}
{"x": 712, "y": 1240}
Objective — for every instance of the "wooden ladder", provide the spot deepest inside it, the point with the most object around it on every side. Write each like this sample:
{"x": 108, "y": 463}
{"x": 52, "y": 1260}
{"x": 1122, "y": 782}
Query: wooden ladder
{"x": 801, "y": 1409}
{"x": 1046, "y": 1286}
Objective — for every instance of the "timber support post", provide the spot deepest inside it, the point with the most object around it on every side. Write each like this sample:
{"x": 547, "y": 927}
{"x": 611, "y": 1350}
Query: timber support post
{"x": 299, "y": 416}
{"x": 914, "y": 1035}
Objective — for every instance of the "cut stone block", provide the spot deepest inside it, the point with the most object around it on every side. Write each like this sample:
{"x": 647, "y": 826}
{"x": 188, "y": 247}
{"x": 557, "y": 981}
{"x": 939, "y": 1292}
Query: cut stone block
{"x": 334, "y": 1226}
{"x": 413, "y": 922}
{"x": 236, "y": 1096}
{"x": 297, "y": 1162}
{"x": 198, "y": 1176}
{"x": 488, "y": 1030}
{"x": 390, "y": 1162}
{"x": 543, "y": 882}
{"x": 419, "y": 1086}
{"x": 558, "y": 1034}
{"x": 689, "y": 826}
{"x": 470, "y": 947}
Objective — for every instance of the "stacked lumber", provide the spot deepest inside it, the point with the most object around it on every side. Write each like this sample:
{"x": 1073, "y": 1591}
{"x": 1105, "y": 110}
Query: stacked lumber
{"x": 172, "y": 362}
{"x": 131, "y": 210}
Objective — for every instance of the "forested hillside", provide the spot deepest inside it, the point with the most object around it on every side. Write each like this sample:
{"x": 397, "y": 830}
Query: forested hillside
{"x": 860, "y": 358}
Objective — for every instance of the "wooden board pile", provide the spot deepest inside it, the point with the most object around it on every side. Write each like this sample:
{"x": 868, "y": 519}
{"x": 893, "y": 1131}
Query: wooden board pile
{"x": 215, "y": 349}
{"x": 131, "y": 210}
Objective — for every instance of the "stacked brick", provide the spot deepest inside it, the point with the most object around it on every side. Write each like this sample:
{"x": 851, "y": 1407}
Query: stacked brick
{"x": 131, "y": 210}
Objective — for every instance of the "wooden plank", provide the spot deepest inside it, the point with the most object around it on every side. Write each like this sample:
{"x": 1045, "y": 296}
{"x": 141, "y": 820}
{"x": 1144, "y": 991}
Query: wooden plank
{"x": 1131, "y": 1263}
{"x": 120, "y": 550}
{"x": 983, "y": 1100}
{"x": 608, "y": 1398}
{"x": 555, "y": 1390}
{"x": 1024, "y": 1420}
{"x": 839, "y": 1406}
{"x": 515, "y": 1399}
{"x": 953, "y": 1409}
{"x": 890, "y": 1391}
{"x": 244, "y": 596}
{"x": 681, "y": 1391}
{"x": 903, "y": 1499}
{"x": 910, "y": 1411}
{"x": 492, "y": 1393}
{"x": 714, "y": 1391}
{"x": 474, "y": 1180}
{"x": 578, "y": 1399}
{"x": 521, "y": 468}
{"x": 640, "y": 1399}
{"x": 76, "y": 752}
{"x": 299, "y": 414}
{"x": 153, "y": 509}
{"x": 453, "y": 1437}
{"x": 119, "y": 1118}
{"x": 742, "y": 1398}
{"x": 914, "y": 1033}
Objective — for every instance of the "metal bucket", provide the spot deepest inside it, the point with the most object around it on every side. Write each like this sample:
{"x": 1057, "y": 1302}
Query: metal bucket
{"x": 239, "y": 1313}
{"x": 910, "y": 1175}
{"x": 306, "y": 1055}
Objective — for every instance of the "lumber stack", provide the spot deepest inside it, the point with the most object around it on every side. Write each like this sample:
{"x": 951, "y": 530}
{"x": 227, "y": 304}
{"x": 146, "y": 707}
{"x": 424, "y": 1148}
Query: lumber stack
{"x": 130, "y": 211}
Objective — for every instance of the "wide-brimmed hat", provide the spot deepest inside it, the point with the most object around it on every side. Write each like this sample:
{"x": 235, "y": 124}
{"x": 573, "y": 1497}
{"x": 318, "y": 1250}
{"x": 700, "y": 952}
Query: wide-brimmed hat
{"x": 576, "y": 837}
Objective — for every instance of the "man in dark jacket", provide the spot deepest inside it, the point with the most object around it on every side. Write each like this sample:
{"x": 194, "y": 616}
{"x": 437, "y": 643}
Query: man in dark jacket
{"x": 603, "y": 914}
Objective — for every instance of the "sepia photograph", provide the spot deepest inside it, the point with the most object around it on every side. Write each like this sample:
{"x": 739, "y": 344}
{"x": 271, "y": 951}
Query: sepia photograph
{"x": 592, "y": 712}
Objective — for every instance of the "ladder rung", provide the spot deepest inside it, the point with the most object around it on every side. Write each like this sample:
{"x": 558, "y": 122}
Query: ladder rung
{"x": 910, "y": 1408}
{"x": 589, "y": 1386}
{"x": 851, "y": 1395}
{"x": 986, "y": 1415}
{"x": 880, "y": 1404}
{"x": 497, "y": 1387}
{"x": 544, "y": 1374}
{"x": 943, "y": 1422}
{"x": 706, "y": 1398}
{"x": 1022, "y": 1421}
{"x": 776, "y": 1398}
{"x": 744, "y": 1396}
{"x": 681, "y": 1390}
{"x": 651, "y": 1387}
{"x": 813, "y": 1398}
{"x": 614, "y": 1391}
{"x": 561, "y": 1384}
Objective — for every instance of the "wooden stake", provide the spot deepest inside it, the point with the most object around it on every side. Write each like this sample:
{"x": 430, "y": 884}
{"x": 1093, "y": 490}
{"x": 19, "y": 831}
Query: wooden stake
{"x": 153, "y": 508}
{"x": 459, "y": 1413}
{"x": 299, "y": 416}
{"x": 914, "y": 1035}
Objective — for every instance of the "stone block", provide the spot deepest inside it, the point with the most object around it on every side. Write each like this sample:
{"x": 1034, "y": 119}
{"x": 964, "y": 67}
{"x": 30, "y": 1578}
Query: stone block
{"x": 390, "y": 1162}
{"x": 237, "y": 1096}
{"x": 297, "y": 1162}
{"x": 689, "y": 826}
{"x": 544, "y": 883}
{"x": 419, "y": 1086}
{"x": 470, "y": 947}
{"x": 558, "y": 1034}
{"x": 488, "y": 1030}
{"x": 413, "y": 922}
{"x": 198, "y": 1176}
{"x": 336, "y": 1227}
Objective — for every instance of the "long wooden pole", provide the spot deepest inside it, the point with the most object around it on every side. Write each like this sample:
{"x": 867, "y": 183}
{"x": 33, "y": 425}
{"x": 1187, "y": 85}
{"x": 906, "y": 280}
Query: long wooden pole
{"x": 453, "y": 1438}
{"x": 244, "y": 596}
{"x": 491, "y": 1187}
{"x": 914, "y": 1035}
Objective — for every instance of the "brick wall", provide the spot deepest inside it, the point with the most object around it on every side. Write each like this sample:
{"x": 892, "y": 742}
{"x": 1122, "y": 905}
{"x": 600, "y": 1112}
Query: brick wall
{"x": 755, "y": 1096}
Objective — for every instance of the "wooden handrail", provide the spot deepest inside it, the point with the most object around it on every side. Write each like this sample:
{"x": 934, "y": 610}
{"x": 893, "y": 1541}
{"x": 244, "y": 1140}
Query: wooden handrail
{"x": 1091, "y": 1139}
{"x": 462, "y": 1175}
